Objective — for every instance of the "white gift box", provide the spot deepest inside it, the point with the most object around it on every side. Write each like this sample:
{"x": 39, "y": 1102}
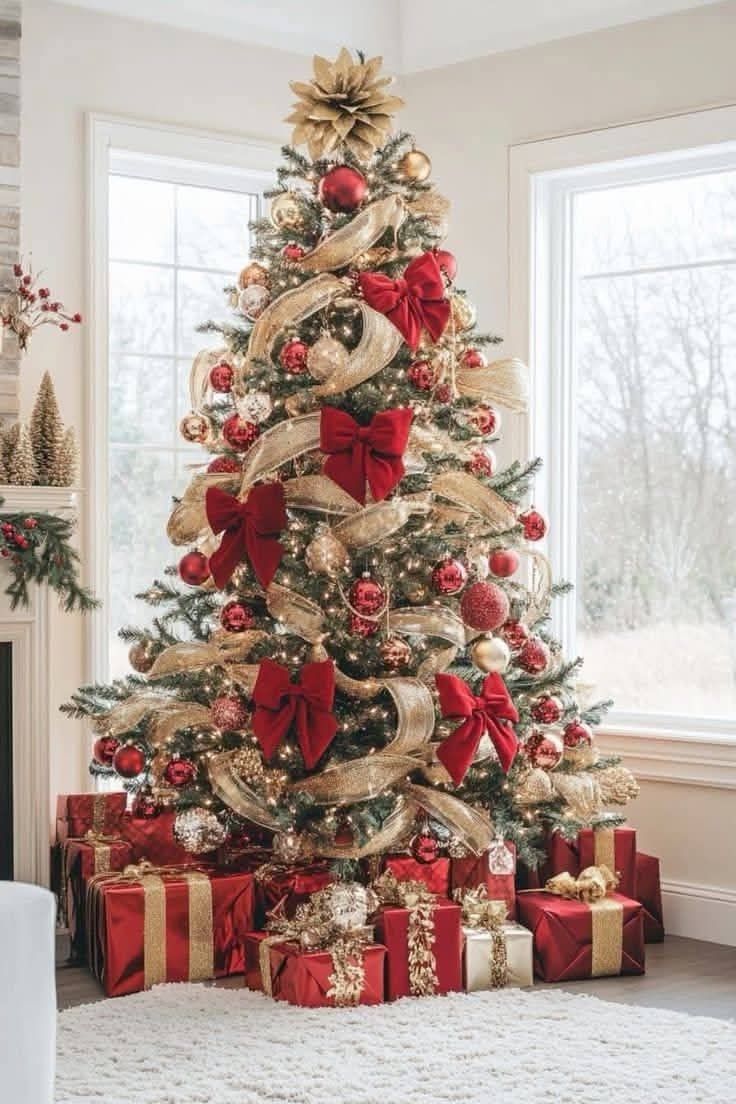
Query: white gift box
{"x": 477, "y": 957}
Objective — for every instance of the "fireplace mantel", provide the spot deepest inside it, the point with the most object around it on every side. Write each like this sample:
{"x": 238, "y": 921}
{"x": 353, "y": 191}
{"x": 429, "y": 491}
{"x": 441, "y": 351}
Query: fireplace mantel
{"x": 27, "y": 629}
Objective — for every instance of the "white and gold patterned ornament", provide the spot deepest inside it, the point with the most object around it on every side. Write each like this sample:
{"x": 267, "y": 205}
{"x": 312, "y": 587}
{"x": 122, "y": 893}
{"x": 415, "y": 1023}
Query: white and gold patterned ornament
{"x": 325, "y": 357}
{"x": 253, "y": 300}
{"x": 198, "y": 830}
{"x": 254, "y": 406}
{"x": 349, "y": 904}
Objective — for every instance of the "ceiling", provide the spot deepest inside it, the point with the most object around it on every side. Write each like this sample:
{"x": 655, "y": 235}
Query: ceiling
{"x": 411, "y": 34}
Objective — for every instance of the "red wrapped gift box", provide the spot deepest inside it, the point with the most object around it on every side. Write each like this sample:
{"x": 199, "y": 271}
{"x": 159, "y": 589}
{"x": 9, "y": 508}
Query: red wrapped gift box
{"x": 435, "y": 875}
{"x": 392, "y": 930}
{"x": 152, "y": 840}
{"x": 574, "y": 940}
{"x": 251, "y": 959}
{"x": 474, "y": 871}
{"x": 181, "y": 925}
{"x": 82, "y": 859}
{"x": 611, "y": 847}
{"x": 292, "y": 885}
{"x": 304, "y": 978}
{"x": 649, "y": 895}
{"x": 101, "y": 813}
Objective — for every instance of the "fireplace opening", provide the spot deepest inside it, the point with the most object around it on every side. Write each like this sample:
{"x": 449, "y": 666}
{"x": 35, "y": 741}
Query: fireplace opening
{"x": 6, "y": 761}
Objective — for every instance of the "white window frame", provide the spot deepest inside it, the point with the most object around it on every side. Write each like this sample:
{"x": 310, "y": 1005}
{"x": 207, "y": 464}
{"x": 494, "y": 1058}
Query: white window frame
{"x": 195, "y": 157}
{"x": 543, "y": 179}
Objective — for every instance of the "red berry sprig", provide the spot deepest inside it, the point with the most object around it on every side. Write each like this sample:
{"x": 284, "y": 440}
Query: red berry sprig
{"x": 25, "y": 307}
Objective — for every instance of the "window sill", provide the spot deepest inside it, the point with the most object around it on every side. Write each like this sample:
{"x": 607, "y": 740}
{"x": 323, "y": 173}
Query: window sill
{"x": 674, "y": 755}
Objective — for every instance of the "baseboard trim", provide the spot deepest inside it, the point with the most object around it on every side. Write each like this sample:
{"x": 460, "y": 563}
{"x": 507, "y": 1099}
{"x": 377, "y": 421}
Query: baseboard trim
{"x": 700, "y": 911}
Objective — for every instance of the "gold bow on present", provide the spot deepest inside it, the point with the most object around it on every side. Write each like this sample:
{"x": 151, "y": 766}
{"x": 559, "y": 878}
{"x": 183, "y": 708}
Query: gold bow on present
{"x": 483, "y": 914}
{"x": 592, "y": 884}
{"x": 420, "y": 903}
{"x": 593, "y": 888}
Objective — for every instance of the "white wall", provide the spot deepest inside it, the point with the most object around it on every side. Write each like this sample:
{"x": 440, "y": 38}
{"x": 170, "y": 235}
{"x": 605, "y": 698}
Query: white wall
{"x": 467, "y": 116}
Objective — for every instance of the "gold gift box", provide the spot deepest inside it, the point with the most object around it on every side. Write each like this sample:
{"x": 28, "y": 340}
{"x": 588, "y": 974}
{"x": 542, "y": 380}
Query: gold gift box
{"x": 477, "y": 957}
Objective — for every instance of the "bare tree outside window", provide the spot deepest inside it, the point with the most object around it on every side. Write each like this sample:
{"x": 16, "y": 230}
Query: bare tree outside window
{"x": 654, "y": 324}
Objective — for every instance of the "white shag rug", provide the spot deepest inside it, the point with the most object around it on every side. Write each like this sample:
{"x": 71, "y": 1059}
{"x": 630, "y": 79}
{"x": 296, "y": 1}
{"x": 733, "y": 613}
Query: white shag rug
{"x": 193, "y": 1044}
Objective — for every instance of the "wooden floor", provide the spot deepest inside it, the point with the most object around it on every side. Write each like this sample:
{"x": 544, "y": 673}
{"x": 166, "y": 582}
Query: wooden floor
{"x": 682, "y": 974}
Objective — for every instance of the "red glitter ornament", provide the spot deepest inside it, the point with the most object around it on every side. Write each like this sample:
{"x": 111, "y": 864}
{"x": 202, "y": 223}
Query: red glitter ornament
{"x": 239, "y": 433}
{"x": 534, "y": 524}
{"x": 534, "y": 656}
{"x": 443, "y": 393}
{"x": 447, "y": 263}
{"x": 546, "y": 710}
{"x": 129, "y": 761}
{"x": 515, "y": 633}
{"x": 104, "y": 750}
{"x": 342, "y": 189}
{"x": 237, "y": 617}
{"x": 484, "y": 606}
{"x": 577, "y": 733}
{"x": 229, "y": 713}
{"x": 367, "y": 596}
{"x": 485, "y": 419}
{"x": 293, "y": 252}
{"x": 503, "y": 562}
{"x": 359, "y": 626}
{"x": 449, "y": 577}
{"x": 480, "y": 462}
{"x": 544, "y": 749}
{"x": 194, "y": 568}
{"x": 293, "y": 357}
{"x": 425, "y": 847}
{"x": 180, "y": 772}
{"x": 421, "y": 375}
{"x": 221, "y": 377}
{"x": 473, "y": 358}
{"x": 224, "y": 464}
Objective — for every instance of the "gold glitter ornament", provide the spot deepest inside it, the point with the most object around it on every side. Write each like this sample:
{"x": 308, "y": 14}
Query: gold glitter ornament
{"x": 288, "y": 847}
{"x": 535, "y": 787}
{"x": 395, "y": 653}
{"x": 462, "y": 312}
{"x": 248, "y": 764}
{"x": 198, "y": 830}
{"x": 254, "y": 273}
{"x": 141, "y": 656}
{"x": 195, "y": 428}
{"x": 415, "y": 165}
{"x": 325, "y": 554}
{"x": 490, "y": 653}
{"x": 326, "y": 356}
{"x": 618, "y": 785}
{"x": 285, "y": 212}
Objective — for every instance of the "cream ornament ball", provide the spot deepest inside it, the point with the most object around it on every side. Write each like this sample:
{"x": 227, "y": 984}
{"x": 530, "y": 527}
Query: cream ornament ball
{"x": 325, "y": 357}
{"x": 325, "y": 554}
{"x": 490, "y": 653}
{"x": 253, "y": 300}
{"x": 254, "y": 406}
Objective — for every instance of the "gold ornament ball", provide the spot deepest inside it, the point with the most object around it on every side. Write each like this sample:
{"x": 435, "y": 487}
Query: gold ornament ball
{"x": 141, "y": 656}
{"x": 490, "y": 653}
{"x": 395, "y": 653}
{"x": 287, "y": 846}
{"x": 325, "y": 554}
{"x": 194, "y": 428}
{"x": 415, "y": 165}
{"x": 285, "y": 212}
{"x": 463, "y": 312}
{"x": 535, "y": 787}
{"x": 253, "y": 273}
{"x": 325, "y": 357}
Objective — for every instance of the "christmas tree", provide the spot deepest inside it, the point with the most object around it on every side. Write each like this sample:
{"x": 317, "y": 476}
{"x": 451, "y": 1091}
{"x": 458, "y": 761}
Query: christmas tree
{"x": 47, "y": 432}
{"x": 357, "y": 651}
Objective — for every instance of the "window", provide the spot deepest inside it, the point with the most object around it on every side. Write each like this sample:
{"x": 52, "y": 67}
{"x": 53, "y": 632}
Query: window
{"x": 176, "y": 234}
{"x": 633, "y": 313}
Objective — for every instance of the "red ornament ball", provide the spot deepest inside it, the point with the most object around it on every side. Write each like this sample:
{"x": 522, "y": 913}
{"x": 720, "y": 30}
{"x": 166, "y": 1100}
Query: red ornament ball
{"x": 222, "y": 464}
{"x": 239, "y": 433}
{"x": 503, "y": 562}
{"x": 367, "y": 596}
{"x": 104, "y": 750}
{"x": 129, "y": 761}
{"x": 546, "y": 710}
{"x": 443, "y": 394}
{"x": 515, "y": 633}
{"x": 534, "y": 656}
{"x": 221, "y": 377}
{"x": 484, "y": 606}
{"x": 534, "y": 525}
{"x": 145, "y": 805}
{"x": 293, "y": 252}
{"x": 577, "y": 733}
{"x": 447, "y": 263}
{"x": 544, "y": 749}
{"x": 425, "y": 847}
{"x": 359, "y": 626}
{"x": 485, "y": 419}
{"x": 293, "y": 357}
{"x": 421, "y": 375}
{"x": 473, "y": 358}
{"x": 480, "y": 462}
{"x": 342, "y": 189}
{"x": 194, "y": 568}
{"x": 180, "y": 772}
{"x": 237, "y": 617}
{"x": 449, "y": 577}
{"x": 229, "y": 713}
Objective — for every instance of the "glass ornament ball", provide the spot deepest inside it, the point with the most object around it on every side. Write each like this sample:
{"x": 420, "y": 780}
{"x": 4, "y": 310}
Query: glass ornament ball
{"x": 195, "y": 428}
{"x": 546, "y": 710}
{"x": 103, "y": 751}
{"x": 223, "y": 464}
{"x": 285, "y": 212}
{"x": 447, "y": 263}
{"x": 462, "y": 312}
{"x": 533, "y": 524}
{"x": 221, "y": 377}
{"x": 425, "y": 847}
{"x": 129, "y": 761}
{"x": 253, "y": 273}
{"x": 490, "y": 653}
{"x": 415, "y": 165}
{"x": 576, "y": 733}
{"x": 293, "y": 252}
{"x": 194, "y": 568}
{"x": 395, "y": 653}
{"x": 240, "y": 433}
{"x": 255, "y": 406}
{"x": 325, "y": 554}
{"x": 485, "y": 420}
{"x": 534, "y": 656}
{"x": 179, "y": 773}
{"x": 481, "y": 462}
{"x": 142, "y": 656}
{"x": 503, "y": 562}
{"x": 293, "y": 357}
{"x": 229, "y": 713}
{"x": 515, "y": 633}
{"x": 422, "y": 375}
{"x": 473, "y": 358}
{"x": 544, "y": 749}
{"x": 449, "y": 577}
{"x": 342, "y": 189}
{"x": 236, "y": 616}
{"x": 253, "y": 300}
{"x": 367, "y": 596}
{"x": 325, "y": 357}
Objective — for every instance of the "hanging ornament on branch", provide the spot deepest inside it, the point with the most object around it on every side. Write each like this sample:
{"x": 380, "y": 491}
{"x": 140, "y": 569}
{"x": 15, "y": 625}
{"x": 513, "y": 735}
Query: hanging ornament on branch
{"x": 415, "y": 165}
{"x": 326, "y": 356}
{"x": 342, "y": 189}
{"x": 286, "y": 212}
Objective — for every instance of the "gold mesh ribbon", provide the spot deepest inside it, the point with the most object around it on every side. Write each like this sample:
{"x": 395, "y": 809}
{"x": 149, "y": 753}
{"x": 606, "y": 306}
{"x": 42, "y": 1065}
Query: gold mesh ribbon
{"x": 439, "y": 621}
{"x": 416, "y": 898}
{"x": 299, "y": 614}
{"x": 99, "y": 807}
{"x": 195, "y": 655}
{"x": 503, "y": 381}
{"x": 188, "y": 520}
{"x": 379, "y": 521}
{"x": 357, "y": 780}
{"x": 319, "y": 493}
{"x": 346, "y": 244}
{"x": 482, "y": 914}
{"x": 396, "y": 830}
{"x": 593, "y": 886}
{"x": 470, "y": 825}
{"x": 604, "y": 848}
{"x": 540, "y": 588}
{"x": 199, "y": 375}
{"x": 236, "y": 794}
{"x": 283, "y": 442}
{"x": 465, "y": 491}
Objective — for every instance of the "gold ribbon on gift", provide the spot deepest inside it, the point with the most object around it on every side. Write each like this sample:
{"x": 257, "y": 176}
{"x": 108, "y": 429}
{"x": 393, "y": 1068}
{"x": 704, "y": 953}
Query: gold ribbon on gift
{"x": 420, "y": 903}
{"x": 593, "y": 886}
{"x": 99, "y": 808}
{"x": 482, "y": 914}
{"x": 346, "y": 244}
{"x": 503, "y": 381}
{"x": 604, "y": 848}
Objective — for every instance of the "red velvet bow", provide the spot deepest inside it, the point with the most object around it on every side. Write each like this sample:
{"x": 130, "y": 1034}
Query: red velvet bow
{"x": 414, "y": 302}
{"x": 358, "y": 453}
{"x": 249, "y": 530}
{"x": 491, "y": 713}
{"x": 307, "y": 705}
